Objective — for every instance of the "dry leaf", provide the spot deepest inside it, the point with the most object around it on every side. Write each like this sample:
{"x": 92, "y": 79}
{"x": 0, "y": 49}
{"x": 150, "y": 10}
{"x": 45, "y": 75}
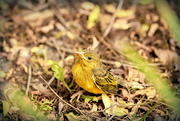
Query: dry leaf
{"x": 72, "y": 117}
{"x": 166, "y": 56}
{"x": 46, "y": 29}
{"x": 87, "y": 5}
{"x": 110, "y": 8}
{"x": 13, "y": 109}
{"x": 122, "y": 24}
{"x": 150, "y": 92}
{"x": 94, "y": 108}
{"x": 23, "y": 56}
{"x": 60, "y": 107}
{"x": 38, "y": 15}
{"x": 119, "y": 111}
{"x": 125, "y": 93}
{"x": 51, "y": 117}
{"x": 95, "y": 43}
{"x": 41, "y": 88}
{"x": 135, "y": 76}
{"x": 125, "y": 13}
{"x": 93, "y": 17}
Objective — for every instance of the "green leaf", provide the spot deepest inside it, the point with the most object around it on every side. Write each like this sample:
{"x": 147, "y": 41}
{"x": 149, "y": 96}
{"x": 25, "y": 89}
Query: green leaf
{"x": 39, "y": 51}
{"x": 58, "y": 72}
{"x": 5, "y": 107}
{"x": 2, "y": 74}
{"x": 87, "y": 98}
{"x": 145, "y": 2}
{"x": 47, "y": 101}
{"x": 44, "y": 106}
{"x": 93, "y": 17}
{"x": 72, "y": 117}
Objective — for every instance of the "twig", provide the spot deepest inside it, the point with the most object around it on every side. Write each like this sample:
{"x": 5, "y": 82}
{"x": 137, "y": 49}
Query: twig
{"x": 68, "y": 50}
{"x": 29, "y": 80}
{"x": 60, "y": 98}
{"x": 111, "y": 117}
{"x": 97, "y": 118}
{"x": 34, "y": 9}
{"x": 113, "y": 18}
{"x": 50, "y": 81}
{"x": 61, "y": 19}
{"x": 61, "y": 54}
{"x": 108, "y": 45}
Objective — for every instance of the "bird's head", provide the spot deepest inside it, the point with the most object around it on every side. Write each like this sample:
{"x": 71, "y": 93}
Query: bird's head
{"x": 89, "y": 58}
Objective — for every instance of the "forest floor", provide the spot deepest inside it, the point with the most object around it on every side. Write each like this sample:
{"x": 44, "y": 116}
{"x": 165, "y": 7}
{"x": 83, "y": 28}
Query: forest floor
{"x": 34, "y": 32}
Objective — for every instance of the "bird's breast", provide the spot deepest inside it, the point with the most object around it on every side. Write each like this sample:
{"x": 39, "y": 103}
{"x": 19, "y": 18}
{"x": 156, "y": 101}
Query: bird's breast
{"x": 84, "y": 78}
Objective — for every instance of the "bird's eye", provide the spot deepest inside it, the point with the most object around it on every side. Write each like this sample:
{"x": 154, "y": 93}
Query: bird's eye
{"x": 89, "y": 58}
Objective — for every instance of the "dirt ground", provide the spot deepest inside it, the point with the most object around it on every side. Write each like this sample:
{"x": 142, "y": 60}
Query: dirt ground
{"x": 33, "y": 32}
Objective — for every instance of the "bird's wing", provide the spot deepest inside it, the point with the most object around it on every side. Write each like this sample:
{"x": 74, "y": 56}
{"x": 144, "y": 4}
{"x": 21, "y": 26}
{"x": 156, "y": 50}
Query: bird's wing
{"x": 105, "y": 80}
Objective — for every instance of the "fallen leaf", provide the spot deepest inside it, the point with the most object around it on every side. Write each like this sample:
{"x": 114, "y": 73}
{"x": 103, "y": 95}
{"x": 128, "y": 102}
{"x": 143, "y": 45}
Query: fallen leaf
{"x": 2, "y": 74}
{"x": 125, "y": 93}
{"x": 70, "y": 57}
{"x": 6, "y": 106}
{"x": 51, "y": 117}
{"x": 135, "y": 76}
{"x": 166, "y": 56}
{"x": 119, "y": 111}
{"x": 122, "y": 24}
{"x": 94, "y": 108}
{"x": 106, "y": 101}
{"x": 47, "y": 28}
{"x": 160, "y": 112}
{"x": 60, "y": 107}
{"x": 23, "y": 56}
{"x": 87, "y": 98}
{"x": 13, "y": 109}
{"x": 17, "y": 19}
{"x": 125, "y": 13}
{"x": 70, "y": 35}
{"x": 110, "y": 8}
{"x": 95, "y": 43}
{"x": 9, "y": 74}
{"x": 72, "y": 117}
{"x": 87, "y": 5}
{"x": 144, "y": 27}
{"x": 38, "y": 15}
{"x": 93, "y": 17}
{"x": 150, "y": 92}
{"x": 40, "y": 87}
{"x": 5, "y": 47}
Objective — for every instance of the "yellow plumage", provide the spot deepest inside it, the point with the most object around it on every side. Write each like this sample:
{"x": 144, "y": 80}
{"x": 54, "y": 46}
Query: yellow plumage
{"x": 92, "y": 75}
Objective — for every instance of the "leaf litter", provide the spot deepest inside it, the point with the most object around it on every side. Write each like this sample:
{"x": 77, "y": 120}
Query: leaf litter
{"x": 55, "y": 30}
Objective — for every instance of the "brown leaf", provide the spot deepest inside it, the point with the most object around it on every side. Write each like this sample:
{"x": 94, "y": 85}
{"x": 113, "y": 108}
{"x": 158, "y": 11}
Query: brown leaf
{"x": 38, "y": 15}
{"x": 46, "y": 29}
{"x": 41, "y": 88}
{"x": 166, "y": 56}
{"x": 125, "y": 93}
{"x": 17, "y": 19}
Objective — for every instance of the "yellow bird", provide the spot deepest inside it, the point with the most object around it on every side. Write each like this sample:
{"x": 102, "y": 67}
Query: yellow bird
{"x": 92, "y": 75}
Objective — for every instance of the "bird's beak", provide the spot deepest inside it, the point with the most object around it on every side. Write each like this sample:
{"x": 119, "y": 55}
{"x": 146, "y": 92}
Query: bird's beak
{"x": 81, "y": 55}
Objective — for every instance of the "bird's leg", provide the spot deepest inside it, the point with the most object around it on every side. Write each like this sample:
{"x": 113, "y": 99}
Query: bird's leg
{"x": 77, "y": 94}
